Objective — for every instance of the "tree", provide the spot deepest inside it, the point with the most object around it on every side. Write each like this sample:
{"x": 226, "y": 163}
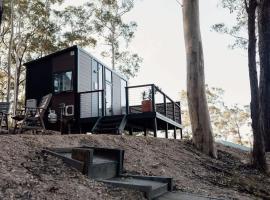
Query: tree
{"x": 227, "y": 121}
{"x": 246, "y": 20}
{"x": 10, "y": 49}
{"x": 1, "y": 11}
{"x": 76, "y": 26}
{"x": 264, "y": 54}
{"x": 113, "y": 30}
{"x": 258, "y": 152}
{"x": 26, "y": 28}
{"x": 238, "y": 29}
{"x": 198, "y": 110}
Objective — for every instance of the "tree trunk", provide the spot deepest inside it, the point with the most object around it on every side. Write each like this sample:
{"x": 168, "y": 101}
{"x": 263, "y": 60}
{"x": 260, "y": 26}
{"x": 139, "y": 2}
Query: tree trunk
{"x": 258, "y": 154}
{"x": 198, "y": 109}
{"x": 238, "y": 133}
{"x": 10, "y": 49}
{"x": 264, "y": 51}
{"x": 113, "y": 56}
{"x": 1, "y": 11}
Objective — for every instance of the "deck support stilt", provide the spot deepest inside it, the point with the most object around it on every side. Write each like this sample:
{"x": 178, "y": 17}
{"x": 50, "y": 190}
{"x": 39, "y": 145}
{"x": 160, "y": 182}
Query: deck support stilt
{"x": 174, "y": 132}
{"x": 155, "y": 127}
{"x": 181, "y": 133}
{"x": 145, "y": 131}
{"x": 166, "y": 130}
{"x": 130, "y": 131}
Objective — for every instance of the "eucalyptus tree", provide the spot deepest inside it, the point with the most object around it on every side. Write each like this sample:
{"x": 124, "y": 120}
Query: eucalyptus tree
{"x": 117, "y": 34}
{"x": 26, "y": 29}
{"x": 202, "y": 133}
{"x": 245, "y": 31}
{"x": 264, "y": 54}
{"x": 1, "y": 11}
{"x": 76, "y": 24}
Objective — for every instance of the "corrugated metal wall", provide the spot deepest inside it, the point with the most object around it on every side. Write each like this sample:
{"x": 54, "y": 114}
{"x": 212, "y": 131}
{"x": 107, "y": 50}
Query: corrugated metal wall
{"x": 84, "y": 83}
{"x": 85, "y": 107}
{"x": 116, "y": 81}
{"x": 84, "y": 71}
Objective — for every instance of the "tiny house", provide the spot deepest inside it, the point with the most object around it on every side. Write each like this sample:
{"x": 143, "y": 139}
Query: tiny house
{"x": 80, "y": 82}
{"x": 89, "y": 96}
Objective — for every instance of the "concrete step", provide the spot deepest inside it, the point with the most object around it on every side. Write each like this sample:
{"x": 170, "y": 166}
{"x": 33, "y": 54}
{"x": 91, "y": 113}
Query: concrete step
{"x": 152, "y": 189}
{"x": 103, "y": 168}
{"x": 184, "y": 196}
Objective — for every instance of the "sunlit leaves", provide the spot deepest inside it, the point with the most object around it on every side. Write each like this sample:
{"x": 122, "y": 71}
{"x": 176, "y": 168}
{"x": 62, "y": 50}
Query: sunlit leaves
{"x": 117, "y": 34}
{"x": 238, "y": 30}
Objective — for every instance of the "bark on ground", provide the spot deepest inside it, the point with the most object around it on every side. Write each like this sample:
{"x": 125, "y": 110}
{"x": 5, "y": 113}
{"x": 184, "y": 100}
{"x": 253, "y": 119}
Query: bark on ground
{"x": 25, "y": 174}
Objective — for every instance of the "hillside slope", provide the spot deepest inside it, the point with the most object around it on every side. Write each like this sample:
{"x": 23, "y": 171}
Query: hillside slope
{"x": 24, "y": 174}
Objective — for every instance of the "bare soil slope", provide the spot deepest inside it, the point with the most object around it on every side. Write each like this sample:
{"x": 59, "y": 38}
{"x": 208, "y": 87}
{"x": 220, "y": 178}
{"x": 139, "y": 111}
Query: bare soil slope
{"x": 25, "y": 174}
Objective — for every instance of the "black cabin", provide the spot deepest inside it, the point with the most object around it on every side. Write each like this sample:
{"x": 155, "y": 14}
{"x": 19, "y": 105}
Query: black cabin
{"x": 90, "y": 97}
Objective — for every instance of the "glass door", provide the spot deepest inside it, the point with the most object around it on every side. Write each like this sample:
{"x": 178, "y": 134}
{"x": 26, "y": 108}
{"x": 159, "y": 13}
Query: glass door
{"x": 108, "y": 92}
{"x": 95, "y": 95}
{"x": 100, "y": 87}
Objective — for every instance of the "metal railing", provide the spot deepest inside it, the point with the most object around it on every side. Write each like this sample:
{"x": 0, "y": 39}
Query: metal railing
{"x": 92, "y": 104}
{"x": 150, "y": 98}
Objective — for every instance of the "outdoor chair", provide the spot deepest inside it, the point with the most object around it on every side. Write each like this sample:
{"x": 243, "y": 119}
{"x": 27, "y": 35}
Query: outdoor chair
{"x": 31, "y": 118}
{"x": 4, "y": 109}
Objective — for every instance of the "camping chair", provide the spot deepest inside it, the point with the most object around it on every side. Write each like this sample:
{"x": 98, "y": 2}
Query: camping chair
{"x": 4, "y": 108}
{"x": 32, "y": 117}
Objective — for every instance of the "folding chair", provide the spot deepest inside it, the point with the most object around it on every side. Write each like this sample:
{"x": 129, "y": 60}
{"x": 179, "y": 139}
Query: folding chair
{"x": 32, "y": 118}
{"x": 4, "y": 109}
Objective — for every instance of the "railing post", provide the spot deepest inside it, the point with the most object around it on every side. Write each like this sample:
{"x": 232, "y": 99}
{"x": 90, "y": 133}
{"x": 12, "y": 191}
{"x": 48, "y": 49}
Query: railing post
{"x": 127, "y": 101}
{"x": 173, "y": 111}
{"x": 153, "y": 90}
{"x": 180, "y": 112}
{"x": 103, "y": 103}
{"x": 165, "y": 106}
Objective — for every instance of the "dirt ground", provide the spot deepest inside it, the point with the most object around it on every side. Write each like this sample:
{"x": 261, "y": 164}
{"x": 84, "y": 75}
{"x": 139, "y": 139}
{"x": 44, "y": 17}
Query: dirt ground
{"x": 25, "y": 174}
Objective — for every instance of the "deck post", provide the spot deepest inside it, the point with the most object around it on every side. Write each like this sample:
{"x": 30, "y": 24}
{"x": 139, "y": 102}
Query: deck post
{"x": 103, "y": 103}
{"x": 145, "y": 131}
{"x": 155, "y": 127}
{"x": 173, "y": 111}
{"x": 131, "y": 131}
{"x": 166, "y": 130}
{"x": 153, "y": 90}
{"x": 174, "y": 132}
{"x": 127, "y": 101}
{"x": 181, "y": 133}
{"x": 165, "y": 105}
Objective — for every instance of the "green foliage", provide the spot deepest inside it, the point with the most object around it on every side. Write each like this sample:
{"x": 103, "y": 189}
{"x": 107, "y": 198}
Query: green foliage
{"x": 40, "y": 29}
{"x": 114, "y": 32}
{"x": 76, "y": 26}
{"x": 228, "y": 122}
{"x": 34, "y": 36}
{"x": 238, "y": 29}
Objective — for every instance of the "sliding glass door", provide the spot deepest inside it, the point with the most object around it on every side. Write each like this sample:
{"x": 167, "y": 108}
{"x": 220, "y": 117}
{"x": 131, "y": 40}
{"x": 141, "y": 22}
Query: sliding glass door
{"x": 108, "y": 92}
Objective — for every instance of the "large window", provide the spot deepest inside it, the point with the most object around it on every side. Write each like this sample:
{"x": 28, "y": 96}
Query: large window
{"x": 123, "y": 93}
{"x": 62, "y": 82}
{"x": 108, "y": 75}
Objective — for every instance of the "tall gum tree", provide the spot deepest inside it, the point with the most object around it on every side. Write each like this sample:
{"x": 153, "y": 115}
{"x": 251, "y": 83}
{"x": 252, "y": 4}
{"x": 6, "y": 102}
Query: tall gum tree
{"x": 258, "y": 153}
{"x": 264, "y": 53}
{"x": 198, "y": 109}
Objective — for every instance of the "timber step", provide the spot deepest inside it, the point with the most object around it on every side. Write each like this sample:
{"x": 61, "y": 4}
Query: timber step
{"x": 106, "y": 165}
{"x": 152, "y": 188}
{"x": 110, "y": 124}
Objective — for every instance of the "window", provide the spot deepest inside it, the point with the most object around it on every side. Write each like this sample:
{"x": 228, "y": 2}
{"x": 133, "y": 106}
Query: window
{"x": 100, "y": 77}
{"x": 62, "y": 82}
{"x": 123, "y": 93}
{"x": 108, "y": 75}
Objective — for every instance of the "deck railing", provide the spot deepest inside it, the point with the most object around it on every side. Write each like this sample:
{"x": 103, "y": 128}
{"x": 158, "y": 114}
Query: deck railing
{"x": 92, "y": 104}
{"x": 150, "y": 98}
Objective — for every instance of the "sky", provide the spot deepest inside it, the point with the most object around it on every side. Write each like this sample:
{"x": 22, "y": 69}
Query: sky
{"x": 160, "y": 42}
